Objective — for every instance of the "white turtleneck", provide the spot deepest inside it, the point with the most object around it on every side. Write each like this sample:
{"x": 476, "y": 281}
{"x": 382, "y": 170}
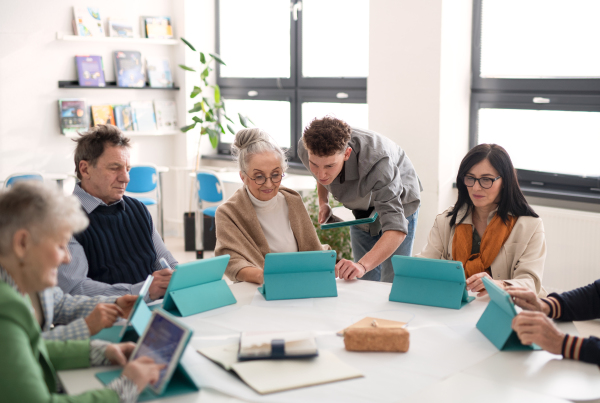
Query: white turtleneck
{"x": 273, "y": 216}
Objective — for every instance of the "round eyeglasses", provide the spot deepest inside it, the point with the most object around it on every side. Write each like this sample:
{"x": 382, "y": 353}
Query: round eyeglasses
{"x": 261, "y": 180}
{"x": 485, "y": 183}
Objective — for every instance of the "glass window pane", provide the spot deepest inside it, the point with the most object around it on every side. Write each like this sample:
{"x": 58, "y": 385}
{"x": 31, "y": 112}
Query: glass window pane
{"x": 335, "y": 38}
{"x": 274, "y": 117}
{"x": 564, "y": 142}
{"x": 540, "y": 39}
{"x": 354, "y": 114}
{"x": 255, "y": 38}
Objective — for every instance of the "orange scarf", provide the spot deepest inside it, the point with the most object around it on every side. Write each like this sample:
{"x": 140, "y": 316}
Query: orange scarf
{"x": 492, "y": 240}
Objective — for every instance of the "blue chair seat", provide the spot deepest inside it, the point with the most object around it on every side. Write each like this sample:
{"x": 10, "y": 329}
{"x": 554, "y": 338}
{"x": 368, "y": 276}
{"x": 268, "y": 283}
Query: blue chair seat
{"x": 147, "y": 201}
{"x": 210, "y": 211}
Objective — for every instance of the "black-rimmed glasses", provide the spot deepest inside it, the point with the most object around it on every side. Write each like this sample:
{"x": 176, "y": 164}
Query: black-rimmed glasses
{"x": 485, "y": 183}
{"x": 261, "y": 180}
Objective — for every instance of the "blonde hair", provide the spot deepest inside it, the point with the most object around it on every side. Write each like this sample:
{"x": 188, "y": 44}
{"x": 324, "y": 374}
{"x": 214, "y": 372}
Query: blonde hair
{"x": 38, "y": 208}
{"x": 253, "y": 141}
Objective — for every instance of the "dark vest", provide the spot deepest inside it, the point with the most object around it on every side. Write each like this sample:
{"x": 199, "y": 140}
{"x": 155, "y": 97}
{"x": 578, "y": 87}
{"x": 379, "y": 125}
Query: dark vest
{"x": 118, "y": 243}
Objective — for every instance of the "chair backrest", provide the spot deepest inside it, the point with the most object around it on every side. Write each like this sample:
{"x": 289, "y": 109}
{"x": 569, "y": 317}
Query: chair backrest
{"x": 12, "y": 179}
{"x": 142, "y": 179}
{"x": 210, "y": 188}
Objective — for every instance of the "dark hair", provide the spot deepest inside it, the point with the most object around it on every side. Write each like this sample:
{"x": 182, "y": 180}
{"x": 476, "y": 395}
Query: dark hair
{"x": 511, "y": 198}
{"x": 90, "y": 145}
{"x": 327, "y": 136}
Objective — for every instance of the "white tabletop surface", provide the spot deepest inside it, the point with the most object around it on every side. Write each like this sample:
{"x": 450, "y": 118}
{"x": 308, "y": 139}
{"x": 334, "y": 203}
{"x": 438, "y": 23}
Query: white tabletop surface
{"x": 449, "y": 359}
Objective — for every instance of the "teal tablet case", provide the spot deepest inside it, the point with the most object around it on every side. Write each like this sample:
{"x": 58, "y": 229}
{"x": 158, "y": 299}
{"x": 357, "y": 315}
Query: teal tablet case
{"x": 496, "y": 321}
{"x": 430, "y": 282}
{"x": 198, "y": 287}
{"x": 338, "y": 224}
{"x": 299, "y": 275}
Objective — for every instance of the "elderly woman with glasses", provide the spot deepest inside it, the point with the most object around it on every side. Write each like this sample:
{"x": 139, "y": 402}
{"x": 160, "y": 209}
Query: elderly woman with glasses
{"x": 491, "y": 229}
{"x": 36, "y": 224}
{"x": 261, "y": 217}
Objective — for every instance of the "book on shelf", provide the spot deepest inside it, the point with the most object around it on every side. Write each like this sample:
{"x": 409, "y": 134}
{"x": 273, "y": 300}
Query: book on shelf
{"x": 73, "y": 116}
{"x": 129, "y": 68}
{"x": 120, "y": 28}
{"x": 90, "y": 71}
{"x": 157, "y": 27}
{"x": 159, "y": 73}
{"x": 166, "y": 114}
{"x": 87, "y": 21}
{"x": 103, "y": 115}
{"x": 143, "y": 116}
{"x": 123, "y": 117}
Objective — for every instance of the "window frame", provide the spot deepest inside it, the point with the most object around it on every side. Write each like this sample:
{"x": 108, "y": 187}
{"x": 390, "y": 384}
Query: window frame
{"x": 562, "y": 94}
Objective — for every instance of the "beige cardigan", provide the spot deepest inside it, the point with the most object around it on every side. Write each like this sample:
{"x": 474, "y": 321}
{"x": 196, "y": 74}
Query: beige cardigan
{"x": 240, "y": 235}
{"x": 520, "y": 262}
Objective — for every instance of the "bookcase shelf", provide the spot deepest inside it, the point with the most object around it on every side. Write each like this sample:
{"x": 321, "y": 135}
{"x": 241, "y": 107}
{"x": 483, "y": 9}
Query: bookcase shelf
{"x": 110, "y": 85}
{"x": 134, "y": 133}
{"x": 61, "y": 36}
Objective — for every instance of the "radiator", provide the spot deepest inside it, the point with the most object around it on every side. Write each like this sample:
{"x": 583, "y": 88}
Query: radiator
{"x": 573, "y": 246}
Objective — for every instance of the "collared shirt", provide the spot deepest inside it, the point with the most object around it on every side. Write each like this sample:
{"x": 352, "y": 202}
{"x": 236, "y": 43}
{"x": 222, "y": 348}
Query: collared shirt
{"x": 72, "y": 277}
{"x": 378, "y": 174}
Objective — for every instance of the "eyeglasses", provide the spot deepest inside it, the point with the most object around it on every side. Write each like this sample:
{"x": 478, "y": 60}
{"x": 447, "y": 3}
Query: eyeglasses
{"x": 485, "y": 183}
{"x": 261, "y": 180}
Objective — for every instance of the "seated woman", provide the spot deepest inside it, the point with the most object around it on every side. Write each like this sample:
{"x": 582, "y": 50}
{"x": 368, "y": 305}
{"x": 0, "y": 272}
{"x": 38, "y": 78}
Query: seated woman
{"x": 491, "y": 229}
{"x": 36, "y": 224}
{"x": 261, "y": 217}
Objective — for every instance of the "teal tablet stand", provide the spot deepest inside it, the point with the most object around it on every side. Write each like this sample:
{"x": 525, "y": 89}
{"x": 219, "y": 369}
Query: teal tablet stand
{"x": 299, "y": 275}
{"x": 430, "y": 282}
{"x": 496, "y": 321}
{"x": 140, "y": 315}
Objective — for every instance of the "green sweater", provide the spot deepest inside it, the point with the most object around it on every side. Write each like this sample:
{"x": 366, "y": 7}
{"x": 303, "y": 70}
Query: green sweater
{"x": 28, "y": 362}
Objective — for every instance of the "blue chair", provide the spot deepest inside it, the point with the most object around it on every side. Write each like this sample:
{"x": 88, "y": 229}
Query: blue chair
{"x": 209, "y": 189}
{"x": 143, "y": 179}
{"x": 12, "y": 179}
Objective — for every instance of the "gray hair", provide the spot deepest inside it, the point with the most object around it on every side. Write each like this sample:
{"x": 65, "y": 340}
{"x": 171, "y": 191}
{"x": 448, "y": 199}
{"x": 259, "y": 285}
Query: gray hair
{"x": 38, "y": 208}
{"x": 255, "y": 141}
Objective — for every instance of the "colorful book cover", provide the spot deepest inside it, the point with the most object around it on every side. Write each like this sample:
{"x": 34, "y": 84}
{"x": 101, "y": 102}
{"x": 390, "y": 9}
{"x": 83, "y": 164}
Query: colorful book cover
{"x": 120, "y": 28}
{"x": 103, "y": 115}
{"x": 73, "y": 116}
{"x": 159, "y": 73}
{"x": 123, "y": 117}
{"x": 88, "y": 21}
{"x": 90, "y": 71}
{"x": 166, "y": 114}
{"x": 143, "y": 116}
{"x": 158, "y": 27}
{"x": 129, "y": 69}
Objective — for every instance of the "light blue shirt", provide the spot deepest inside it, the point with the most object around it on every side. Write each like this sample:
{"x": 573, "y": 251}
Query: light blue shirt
{"x": 72, "y": 277}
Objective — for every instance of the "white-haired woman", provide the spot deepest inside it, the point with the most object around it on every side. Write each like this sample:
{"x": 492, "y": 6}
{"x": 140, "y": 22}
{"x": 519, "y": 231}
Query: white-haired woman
{"x": 261, "y": 217}
{"x": 36, "y": 224}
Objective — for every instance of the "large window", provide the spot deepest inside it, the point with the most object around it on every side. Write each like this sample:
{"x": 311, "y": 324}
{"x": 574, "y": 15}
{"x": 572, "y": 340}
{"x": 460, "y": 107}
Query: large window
{"x": 536, "y": 92}
{"x": 289, "y": 62}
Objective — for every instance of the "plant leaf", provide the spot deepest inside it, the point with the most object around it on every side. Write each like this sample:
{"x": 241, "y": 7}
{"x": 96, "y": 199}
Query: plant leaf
{"x": 202, "y": 58}
{"x": 214, "y": 137}
{"x": 197, "y": 108}
{"x": 197, "y": 119}
{"x": 203, "y": 130}
{"x": 217, "y": 94}
{"x": 250, "y": 120}
{"x": 221, "y": 126}
{"x": 230, "y": 129}
{"x": 187, "y": 68}
{"x": 204, "y": 73}
{"x": 188, "y": 128}
{"x": 189, "y": 44}
{"x": 217, "y": 58}
{"x": 196, "y": 91}
{"x": 203, "y": 106}
{"x": 243, "y": 120}
{"x": 227, "y": 117}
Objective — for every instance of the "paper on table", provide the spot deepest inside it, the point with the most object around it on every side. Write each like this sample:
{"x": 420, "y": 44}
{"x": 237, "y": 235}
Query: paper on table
{"x": 225, "y": 355}
{"x": 368, "y": 322}
{"x": 259, "y": 300}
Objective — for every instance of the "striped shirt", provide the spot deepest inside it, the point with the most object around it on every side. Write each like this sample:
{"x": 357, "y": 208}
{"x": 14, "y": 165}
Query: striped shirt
{"x": 73, "y": 277}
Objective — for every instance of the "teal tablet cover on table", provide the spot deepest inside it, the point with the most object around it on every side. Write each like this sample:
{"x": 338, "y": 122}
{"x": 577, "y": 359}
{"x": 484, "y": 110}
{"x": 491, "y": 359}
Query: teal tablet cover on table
{"x": 430, "y": 282}
{"x": 346, "y": 218}
{"x": 496, "y": 321}
{"x": 197, "y": 287}
{"x": 299, "y": 275}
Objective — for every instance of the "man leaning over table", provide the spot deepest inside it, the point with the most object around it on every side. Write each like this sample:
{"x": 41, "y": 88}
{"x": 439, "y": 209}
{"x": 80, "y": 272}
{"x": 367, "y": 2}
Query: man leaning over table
{"x": 121, "y": 246}
{"x": 534, "y": 326}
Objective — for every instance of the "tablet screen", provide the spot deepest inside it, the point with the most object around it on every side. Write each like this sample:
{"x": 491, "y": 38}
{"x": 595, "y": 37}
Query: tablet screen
{"x": 142, "y": 295}
{"x": 163, "y": 341}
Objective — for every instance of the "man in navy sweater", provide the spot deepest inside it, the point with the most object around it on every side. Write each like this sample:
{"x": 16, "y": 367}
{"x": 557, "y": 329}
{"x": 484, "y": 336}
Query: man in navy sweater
{"x": 121, "y": 246}
{"x": 534, "y": 326}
